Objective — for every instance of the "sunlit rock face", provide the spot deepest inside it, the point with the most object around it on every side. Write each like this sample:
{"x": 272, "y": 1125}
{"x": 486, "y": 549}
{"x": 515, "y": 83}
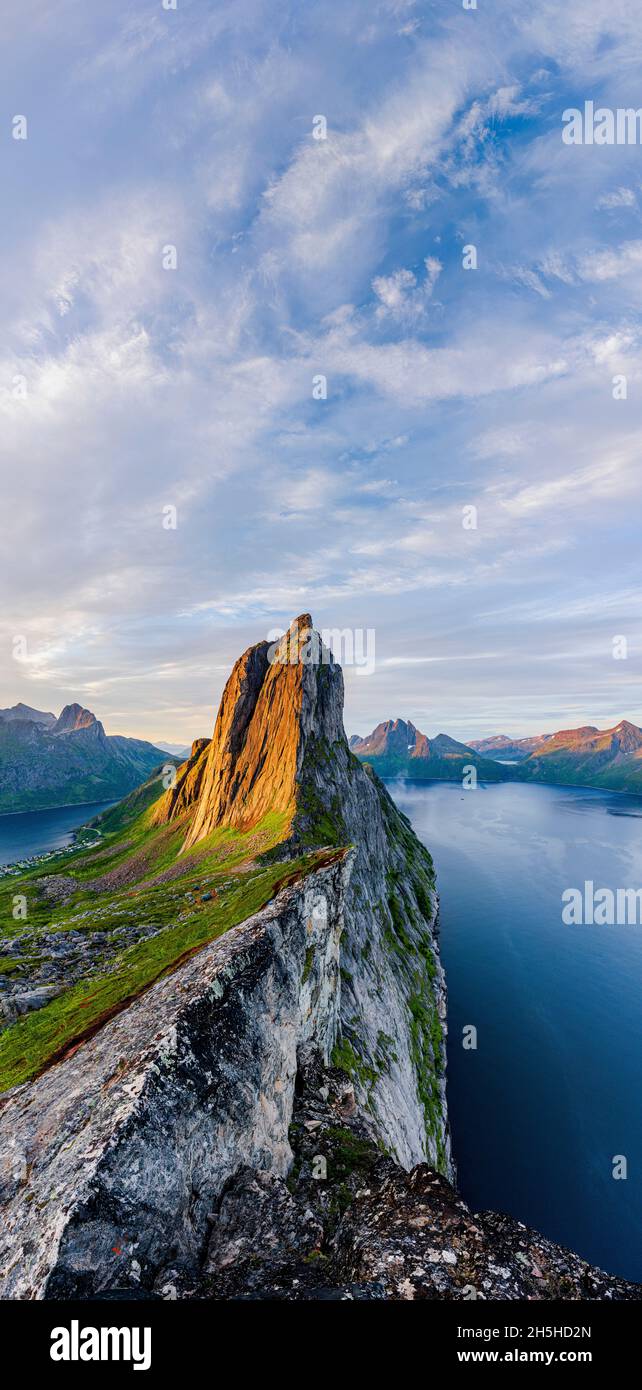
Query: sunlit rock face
{"x": 276, "y": 697}
{"x": 268, "y": 1119}
{"x": 279, "y": 746}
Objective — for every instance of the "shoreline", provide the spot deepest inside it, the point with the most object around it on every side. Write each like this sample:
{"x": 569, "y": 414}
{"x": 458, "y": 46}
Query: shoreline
{"x": 62, "y": 806}
{"x": 32, "y": 859}
{"x": 512, "y": 782}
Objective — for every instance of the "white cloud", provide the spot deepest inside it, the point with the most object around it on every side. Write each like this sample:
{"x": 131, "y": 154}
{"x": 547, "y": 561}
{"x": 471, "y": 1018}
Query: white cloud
{"x": 504, "y": 442}
{"x": 612, "y": 263}
{"x": 611, "y": 476}
{"x": 147, "y": 387}
{"x": 617, "y": 198}
{"x": 401, "y": 296}
{"x": 413, "y": 373}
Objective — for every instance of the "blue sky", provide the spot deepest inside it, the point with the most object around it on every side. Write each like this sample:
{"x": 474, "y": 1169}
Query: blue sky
{"x": 447, "y": 388}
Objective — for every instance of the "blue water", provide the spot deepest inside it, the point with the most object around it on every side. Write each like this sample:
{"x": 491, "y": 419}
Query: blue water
{"x": 33, "y": 832}
{"x": 554, "y": 1090}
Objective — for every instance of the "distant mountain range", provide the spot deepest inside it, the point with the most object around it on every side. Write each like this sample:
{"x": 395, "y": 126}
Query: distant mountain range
{"x": 396, "y": 746}
{"x": 49, "y": 761}
{"x": 609, "y": 758}
{"x": 179, "y": 750}
{"x": 587, "y": 756}
{"x": 513, "y": 749}
{"x": 52, "y": 761}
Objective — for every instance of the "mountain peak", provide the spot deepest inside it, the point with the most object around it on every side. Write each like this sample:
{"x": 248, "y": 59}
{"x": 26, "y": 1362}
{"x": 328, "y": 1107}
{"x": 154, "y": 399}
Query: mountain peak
{"x": 396, "y": 748}
{"x": 73, "y": 717}
{"x": 392, "y": 737}
{"x": 31, "y": 716}
{"x": 627, "y": 736}
{"x": 279, "y": 697}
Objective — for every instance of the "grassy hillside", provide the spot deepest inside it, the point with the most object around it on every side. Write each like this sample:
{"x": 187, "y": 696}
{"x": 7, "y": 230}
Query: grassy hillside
{"x": 569, "y": 769}
{"x": 130, "y": 911}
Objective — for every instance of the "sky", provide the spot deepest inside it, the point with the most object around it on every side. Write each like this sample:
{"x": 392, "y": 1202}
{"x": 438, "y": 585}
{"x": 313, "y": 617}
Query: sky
{"x": 130, "y": 385}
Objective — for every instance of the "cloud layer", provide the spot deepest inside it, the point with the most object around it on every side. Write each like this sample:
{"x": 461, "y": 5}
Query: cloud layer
{"x": 183, "y": 262}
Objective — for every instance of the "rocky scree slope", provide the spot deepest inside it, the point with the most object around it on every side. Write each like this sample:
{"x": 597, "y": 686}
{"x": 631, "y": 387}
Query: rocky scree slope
{"x": 349, "y": 1224}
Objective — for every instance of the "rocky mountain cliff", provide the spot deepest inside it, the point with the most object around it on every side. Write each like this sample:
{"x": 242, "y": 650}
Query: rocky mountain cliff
{"x": 279, "y": 746}
{"x": 49, "y": 761}
{"x": 75, "y": 717}
{"x": 125, "y": 1148}
{"x": 222, "y": 1037}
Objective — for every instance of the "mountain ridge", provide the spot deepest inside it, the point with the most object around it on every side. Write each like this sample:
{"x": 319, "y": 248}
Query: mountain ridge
{"x": 278, "y": 775}
{"x": 67, "y": 760}
{"x": 610, "y": 758}
{"x": 586, "y": 756}
{"x": 279, "y": 746}
{"x": 395, "y": 747}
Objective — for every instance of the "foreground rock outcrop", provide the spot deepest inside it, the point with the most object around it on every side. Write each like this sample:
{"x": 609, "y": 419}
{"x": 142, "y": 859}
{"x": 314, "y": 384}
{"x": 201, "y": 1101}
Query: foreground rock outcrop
{"x": 350, "y": 1224}
{"x": 202, "y": 1146}
{"x": 111, "y": 1162}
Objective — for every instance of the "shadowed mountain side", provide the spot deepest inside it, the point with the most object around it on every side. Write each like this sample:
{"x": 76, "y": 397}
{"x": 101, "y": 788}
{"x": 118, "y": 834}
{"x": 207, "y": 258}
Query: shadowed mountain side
{"x": 396, "y": 748}
{"x": 46, "y": 761}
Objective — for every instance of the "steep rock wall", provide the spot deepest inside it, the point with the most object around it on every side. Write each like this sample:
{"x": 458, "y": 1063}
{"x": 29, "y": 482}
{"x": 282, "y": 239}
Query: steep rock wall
{"x": 393, "y": 1002}
{"x": 279, "y": 745}
{"x": 121, "y": 1150}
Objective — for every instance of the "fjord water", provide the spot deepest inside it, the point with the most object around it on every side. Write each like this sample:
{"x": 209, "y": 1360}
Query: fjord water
{"x": 554, "y": 1090}
{"x": 33, "y": 832}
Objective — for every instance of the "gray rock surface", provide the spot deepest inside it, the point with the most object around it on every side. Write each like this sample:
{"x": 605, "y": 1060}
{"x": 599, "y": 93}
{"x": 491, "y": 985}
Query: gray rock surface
{"x": 350, "y": 1224}
{"x": 111, "y": 1161}
{"x": 393, "y": 1006}
{"x": 279, "y": 744}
